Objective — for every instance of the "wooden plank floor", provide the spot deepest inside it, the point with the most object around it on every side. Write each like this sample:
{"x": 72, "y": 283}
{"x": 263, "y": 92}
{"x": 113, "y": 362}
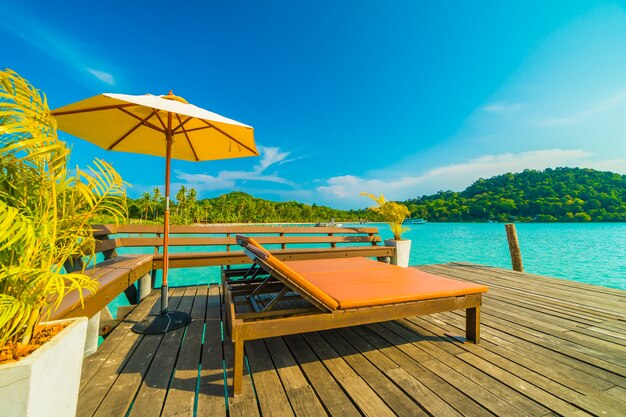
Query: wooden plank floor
{"x": 549, "y": 347}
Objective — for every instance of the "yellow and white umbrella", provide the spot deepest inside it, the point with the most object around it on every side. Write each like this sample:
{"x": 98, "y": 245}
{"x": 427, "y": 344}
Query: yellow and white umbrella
{"x": 165, "y": 126}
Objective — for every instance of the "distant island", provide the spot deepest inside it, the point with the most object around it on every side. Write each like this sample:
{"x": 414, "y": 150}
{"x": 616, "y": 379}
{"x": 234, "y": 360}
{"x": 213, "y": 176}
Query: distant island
{"x": 552, "y": 195}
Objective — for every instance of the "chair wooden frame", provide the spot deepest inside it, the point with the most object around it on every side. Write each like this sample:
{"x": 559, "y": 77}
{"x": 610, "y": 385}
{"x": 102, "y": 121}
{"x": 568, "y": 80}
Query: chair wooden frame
{"x": 263, "y": 323}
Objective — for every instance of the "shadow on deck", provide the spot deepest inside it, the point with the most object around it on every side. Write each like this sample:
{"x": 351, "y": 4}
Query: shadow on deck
{"x": 548, "y": 347}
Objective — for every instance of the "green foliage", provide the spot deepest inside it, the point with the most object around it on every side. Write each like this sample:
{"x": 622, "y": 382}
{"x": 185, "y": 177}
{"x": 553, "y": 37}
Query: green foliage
{"x": 542, "y": 196}
{"x": 393, "y": 213}
{"x": 45, "y": 211}
{"x": 239, "y": 207}
{"x": 561, "y": 194}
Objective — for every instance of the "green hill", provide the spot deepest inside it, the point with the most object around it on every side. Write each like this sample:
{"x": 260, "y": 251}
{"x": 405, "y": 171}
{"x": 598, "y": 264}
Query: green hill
{"x": 561, "y": 194}
{"x": 238, "y": 207}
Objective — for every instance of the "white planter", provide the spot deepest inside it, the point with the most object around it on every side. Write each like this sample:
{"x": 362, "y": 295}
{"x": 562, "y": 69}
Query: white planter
{"x": 402, "y": 252}
{"x": 46, "y": 382}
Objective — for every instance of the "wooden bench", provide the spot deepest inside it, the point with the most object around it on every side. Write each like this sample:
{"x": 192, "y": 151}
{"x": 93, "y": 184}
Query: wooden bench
{"x": 284, "y": 242}
{"x": 116, "y": 275}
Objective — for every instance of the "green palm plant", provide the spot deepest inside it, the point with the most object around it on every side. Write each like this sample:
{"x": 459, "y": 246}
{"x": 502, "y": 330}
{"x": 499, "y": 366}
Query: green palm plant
{"x": 158, "y": 200}
{"x": 393, "y": 213}
{"x": 146, "y": 204}
{"x": 45, "y": 209}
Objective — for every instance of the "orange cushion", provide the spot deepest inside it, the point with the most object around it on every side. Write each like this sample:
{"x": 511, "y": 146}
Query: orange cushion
{"x": 361, "y": 282}
{"x": 303, "y": 283}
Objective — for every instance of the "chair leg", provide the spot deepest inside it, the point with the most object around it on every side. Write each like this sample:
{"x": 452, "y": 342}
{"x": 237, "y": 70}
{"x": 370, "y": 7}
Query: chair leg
{"x": 238, "y": 368}
{"x": 472, "y": 324}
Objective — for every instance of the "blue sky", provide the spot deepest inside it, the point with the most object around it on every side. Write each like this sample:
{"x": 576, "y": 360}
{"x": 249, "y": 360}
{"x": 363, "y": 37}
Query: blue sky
{"x": 404, "y": 98}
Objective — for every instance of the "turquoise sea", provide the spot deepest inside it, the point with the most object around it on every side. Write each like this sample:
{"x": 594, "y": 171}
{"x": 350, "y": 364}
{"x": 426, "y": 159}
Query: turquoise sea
{"x": 594, "y": 253}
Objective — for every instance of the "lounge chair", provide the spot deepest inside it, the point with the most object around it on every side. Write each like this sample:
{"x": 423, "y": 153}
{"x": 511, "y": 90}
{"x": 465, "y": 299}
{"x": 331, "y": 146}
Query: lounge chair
{"x": 275, "y": 298}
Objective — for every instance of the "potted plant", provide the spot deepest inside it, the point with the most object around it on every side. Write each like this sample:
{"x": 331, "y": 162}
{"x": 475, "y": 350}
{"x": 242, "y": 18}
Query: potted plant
{"x": 394, "y": 214}
{"x": 45, "y": 213}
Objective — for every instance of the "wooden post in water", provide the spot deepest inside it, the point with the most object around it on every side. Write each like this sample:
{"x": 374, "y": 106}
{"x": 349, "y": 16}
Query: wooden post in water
{"x": 516, "y": 254}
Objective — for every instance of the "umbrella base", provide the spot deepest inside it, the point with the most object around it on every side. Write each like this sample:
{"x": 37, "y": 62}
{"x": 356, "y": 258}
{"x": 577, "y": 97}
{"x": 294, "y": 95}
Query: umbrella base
{"x": 162, "y": 323}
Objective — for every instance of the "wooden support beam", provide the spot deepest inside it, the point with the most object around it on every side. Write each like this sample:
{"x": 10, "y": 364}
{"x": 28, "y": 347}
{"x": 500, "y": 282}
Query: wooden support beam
{"x": 276, "y": 299}
{"x": 514, "y": 249}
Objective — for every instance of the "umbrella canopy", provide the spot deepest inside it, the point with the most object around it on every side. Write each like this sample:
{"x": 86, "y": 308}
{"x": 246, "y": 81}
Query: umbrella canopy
{"x": 157, "y": 125}
{"x": 139, "y": 124}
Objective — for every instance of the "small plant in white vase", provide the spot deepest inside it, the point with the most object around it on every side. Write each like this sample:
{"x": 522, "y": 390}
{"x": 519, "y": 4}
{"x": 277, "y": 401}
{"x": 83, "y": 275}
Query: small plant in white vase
{"x": 394, "y": 214}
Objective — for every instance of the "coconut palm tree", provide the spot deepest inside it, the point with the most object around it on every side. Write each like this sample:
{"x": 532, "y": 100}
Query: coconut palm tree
{"x": 146, "y": 204}
{"x": 157, "y": 198}
{"x": 45, "y": 209}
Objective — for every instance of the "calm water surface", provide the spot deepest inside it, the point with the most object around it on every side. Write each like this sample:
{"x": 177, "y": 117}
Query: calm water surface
{"x": 591, "y": 253}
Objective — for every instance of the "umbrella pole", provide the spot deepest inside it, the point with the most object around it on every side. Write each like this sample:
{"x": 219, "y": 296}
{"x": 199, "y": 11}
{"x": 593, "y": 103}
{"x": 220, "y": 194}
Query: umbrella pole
{"x": 166, "y": 321}
{"x": 166, "y": 222}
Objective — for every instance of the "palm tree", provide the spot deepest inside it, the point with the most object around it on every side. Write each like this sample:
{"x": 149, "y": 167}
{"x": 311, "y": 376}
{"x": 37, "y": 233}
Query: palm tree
{"x": 206, "y": 208}
{"x": 181, "y": 195}
{"x": 191, "y": 208}
{"x": 157, "y": 198}
{"x": 223, "y": 198}
{"x": 145, "y": 204}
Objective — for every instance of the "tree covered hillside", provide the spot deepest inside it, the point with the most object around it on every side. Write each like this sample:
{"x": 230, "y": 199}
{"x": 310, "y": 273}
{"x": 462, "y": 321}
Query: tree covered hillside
{"x": 237, "y": 207}
{"x": 561, "y": 194}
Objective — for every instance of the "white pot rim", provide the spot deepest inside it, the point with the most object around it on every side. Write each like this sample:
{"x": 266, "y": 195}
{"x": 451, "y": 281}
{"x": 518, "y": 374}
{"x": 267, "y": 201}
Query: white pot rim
{"x": 48, "y": 345}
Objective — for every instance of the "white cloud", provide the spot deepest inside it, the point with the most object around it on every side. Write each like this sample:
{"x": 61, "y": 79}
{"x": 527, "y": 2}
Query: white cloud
{"x": 105, "y": 77}
{"x": 270, "y": 156}
{"x": 343, "y": 191}
{"x": 202, "y": 181}
{"x": 228, "y": 180}
{"x": 606, "y": 104}
{"x": 614, "y": 165}
{"x": 502, "y": 107}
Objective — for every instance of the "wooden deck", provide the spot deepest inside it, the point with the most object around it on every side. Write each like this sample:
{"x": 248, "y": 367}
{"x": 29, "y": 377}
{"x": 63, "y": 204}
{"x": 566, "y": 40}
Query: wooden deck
{"x": 549, "y": 347}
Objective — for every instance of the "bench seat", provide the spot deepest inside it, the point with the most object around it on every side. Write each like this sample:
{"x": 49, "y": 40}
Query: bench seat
{"x": 114, "y": 276}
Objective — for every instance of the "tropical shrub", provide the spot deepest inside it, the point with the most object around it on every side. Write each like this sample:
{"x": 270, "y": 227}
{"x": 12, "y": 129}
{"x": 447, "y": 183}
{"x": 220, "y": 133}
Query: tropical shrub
{"x": 392, "y": 212}
{"x": 45, "y": 210}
